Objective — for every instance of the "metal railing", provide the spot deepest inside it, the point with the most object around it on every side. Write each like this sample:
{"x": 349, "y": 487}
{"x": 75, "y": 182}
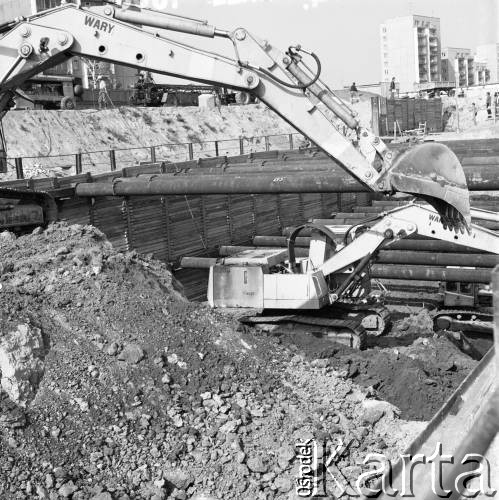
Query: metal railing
{"x": 117, "y": 158}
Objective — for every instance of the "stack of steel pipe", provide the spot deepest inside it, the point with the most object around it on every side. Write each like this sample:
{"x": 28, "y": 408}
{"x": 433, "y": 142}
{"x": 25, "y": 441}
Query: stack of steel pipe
{"x": 259, "y": 173}
{"x": 275, "y": 182}
{"x": 313, "y": 172}
{"x": 411, "y": 259}
{"x": 414, "y": 258}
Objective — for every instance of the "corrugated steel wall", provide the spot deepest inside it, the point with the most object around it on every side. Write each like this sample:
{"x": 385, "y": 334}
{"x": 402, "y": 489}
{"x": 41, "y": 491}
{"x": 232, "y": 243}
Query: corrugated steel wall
{"x": 170, "y": 227}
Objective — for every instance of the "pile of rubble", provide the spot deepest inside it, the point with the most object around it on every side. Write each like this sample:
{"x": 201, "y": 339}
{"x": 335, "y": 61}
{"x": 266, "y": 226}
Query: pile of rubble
{"x": 116, "y": 387}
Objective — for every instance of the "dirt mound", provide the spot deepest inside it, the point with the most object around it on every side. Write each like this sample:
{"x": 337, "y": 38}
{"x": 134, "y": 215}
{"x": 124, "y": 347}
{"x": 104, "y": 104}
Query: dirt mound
{"x": 43, "y": 133}
{"x": 411, "y": 368}
{"x": 417, "y": 379}
{"x": 147, "y": 396}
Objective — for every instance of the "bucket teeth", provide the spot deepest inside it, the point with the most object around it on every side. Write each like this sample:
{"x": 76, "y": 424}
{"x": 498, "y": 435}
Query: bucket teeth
{"x": 433, "y": 172}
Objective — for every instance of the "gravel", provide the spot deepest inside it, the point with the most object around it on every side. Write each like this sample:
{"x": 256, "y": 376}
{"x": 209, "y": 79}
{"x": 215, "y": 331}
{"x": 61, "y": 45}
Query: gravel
{"x": 147, "y": 396}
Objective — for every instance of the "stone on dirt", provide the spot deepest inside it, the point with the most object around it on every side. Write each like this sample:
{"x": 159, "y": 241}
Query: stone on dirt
{"x": 420, "y": 323}
{"x": 256, "y": 464}
{"x": 200, "y": 413}
{"x": 102, "y": 496}
{"x": 179, "y": 479}
{"x": 374, "y": 411}
{"x": 21, "y": 363}
{"x": 131, "y": 353}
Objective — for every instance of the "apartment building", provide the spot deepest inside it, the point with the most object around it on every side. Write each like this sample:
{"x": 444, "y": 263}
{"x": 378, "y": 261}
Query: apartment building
{"x": 411, "y": 52}
{"x": 488, "y": 54}
{"x": 458, "y": 66}
{"x": 482, "y": 73}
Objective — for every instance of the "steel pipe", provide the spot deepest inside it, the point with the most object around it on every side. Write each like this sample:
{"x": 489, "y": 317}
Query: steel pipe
{"x": 436, "y": 259}
{"x": 396, "y": 257}
{"x": 479, "y": 178}
{"x": 416, "y": 245}
{"x": 260, "y": 182}
{"x": 167, "y": 185}
{"x": 426, "y": 273}
{"x": 338, "y": 226}
{"x": 163, "y": 185}
{"x": 279, "y": 241}
{"x": 352, "y": 221}
{"x": 387, "y": 271}
{"x": 247, "y": 169}
{"x": 485, "y": 215}
{"x": 429, "y": 245}
{"x": 197, "y": 262}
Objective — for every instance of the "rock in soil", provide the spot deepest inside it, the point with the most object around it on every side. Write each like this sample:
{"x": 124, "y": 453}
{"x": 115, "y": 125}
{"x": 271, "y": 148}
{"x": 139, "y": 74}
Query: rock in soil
{"x": 139, "y": 394}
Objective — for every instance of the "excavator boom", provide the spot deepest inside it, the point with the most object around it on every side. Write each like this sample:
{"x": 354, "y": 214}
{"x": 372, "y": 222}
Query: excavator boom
{"x": 329, "y": 272}
{"x": 282, "y": 80}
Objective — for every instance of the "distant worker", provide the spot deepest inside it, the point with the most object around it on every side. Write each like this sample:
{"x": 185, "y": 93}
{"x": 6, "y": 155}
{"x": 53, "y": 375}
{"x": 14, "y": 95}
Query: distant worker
{"x": 103, "y": 96}
{"x": 474, "y": 111}
{"x": 489, "y": 105}
{"x": 353, "y": 92}
{"x": 140, "y": 81}
{"x": 140, "y": 86}
{"x": 393, "y": 88}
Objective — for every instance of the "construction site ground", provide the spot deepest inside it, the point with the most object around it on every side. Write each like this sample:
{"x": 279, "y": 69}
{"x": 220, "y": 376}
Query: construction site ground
{"x": 115, "y": 386}
{"x": 124, "y": 389}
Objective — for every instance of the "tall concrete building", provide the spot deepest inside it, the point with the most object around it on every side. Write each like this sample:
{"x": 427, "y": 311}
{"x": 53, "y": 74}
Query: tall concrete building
{"x": 482, "y": 73}
{"x": 458, "y": 66}
{"x": 411, "y": 52}
{"x": 495, "y": 10}
{"x": 488, "y": 54}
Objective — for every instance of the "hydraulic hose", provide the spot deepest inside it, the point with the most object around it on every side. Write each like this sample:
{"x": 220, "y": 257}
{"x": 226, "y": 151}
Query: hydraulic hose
{"x": 299, "y": 86}
{"x": 360, "y": 224}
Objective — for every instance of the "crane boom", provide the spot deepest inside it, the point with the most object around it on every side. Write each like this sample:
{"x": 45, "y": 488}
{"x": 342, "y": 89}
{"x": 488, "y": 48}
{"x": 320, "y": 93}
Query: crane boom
{"x": 282, "y": 80}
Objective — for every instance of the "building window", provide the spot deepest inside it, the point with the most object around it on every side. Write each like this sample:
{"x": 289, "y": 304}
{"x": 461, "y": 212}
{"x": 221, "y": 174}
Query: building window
{"x": 49, "y": 4}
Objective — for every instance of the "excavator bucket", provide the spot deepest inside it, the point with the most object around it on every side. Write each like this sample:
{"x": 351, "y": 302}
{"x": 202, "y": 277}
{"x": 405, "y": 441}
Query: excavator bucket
{"x": 433, "y": 172}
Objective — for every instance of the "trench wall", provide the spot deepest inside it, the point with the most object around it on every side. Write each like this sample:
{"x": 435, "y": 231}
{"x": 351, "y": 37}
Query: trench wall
{"x": 170, "y": 227}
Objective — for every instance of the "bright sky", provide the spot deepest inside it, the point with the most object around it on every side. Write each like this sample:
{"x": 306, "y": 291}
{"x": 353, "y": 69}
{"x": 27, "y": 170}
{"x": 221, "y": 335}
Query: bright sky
{"x": 344, "y": 33}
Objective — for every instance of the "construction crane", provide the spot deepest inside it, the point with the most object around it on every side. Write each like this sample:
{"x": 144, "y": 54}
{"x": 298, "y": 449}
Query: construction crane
{"x": 286, "y": 83}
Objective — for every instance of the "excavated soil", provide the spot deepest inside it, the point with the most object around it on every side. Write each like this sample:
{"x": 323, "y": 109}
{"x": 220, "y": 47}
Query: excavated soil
{"x": 412, "y": 368}
{"x": 43, "y": 134}
{"x": 38, "y": 136}
{"x": 147, "y": 396}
